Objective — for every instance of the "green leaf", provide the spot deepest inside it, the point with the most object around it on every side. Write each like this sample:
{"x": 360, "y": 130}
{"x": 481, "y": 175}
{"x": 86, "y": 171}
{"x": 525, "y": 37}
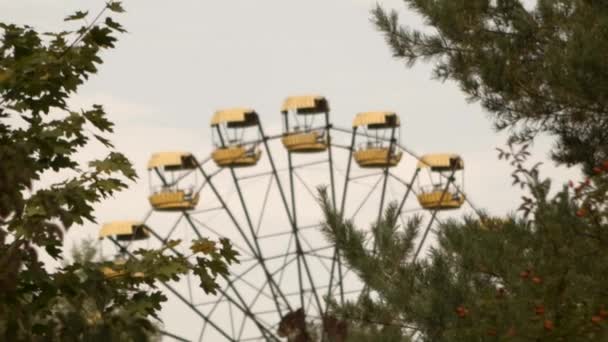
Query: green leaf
{"x": 103, "y": 140}
{"x": 97, "y": 117}
{"x": 114, "y": 25}
{"x": 115, "y": 162}
{"x": 228, "y": 252}
{"x": 5, "y": 74}
{"x": 100, "y": 36}
{"x": 172, "y": 243}
{"x": 204, "y": 246}
{"x": 115, "y": 6}
{"x": 76, "y": 16}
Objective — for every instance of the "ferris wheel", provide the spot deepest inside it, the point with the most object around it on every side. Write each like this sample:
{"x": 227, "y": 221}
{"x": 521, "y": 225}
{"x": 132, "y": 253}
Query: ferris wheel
{"x": 260, "y": 191}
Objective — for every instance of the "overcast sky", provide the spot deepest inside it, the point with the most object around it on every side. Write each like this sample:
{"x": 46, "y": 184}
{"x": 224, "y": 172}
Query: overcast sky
{"x": 182, "y": 60}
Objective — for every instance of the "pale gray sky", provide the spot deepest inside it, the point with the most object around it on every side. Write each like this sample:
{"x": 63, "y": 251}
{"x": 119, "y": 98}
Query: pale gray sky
{"x": 182, "y": 60}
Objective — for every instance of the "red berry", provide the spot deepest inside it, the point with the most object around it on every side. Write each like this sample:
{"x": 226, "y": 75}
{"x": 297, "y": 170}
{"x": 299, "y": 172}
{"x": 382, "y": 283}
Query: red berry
{"x": 462, "y": 311}
{"x": 596, "y": 319}
{"x": 537, "y": 280}
{"x": 524, "y": 274}
{"x": 603, "y": 313}
{"x": 597, "y": 170}
{"x": 581, "y": 212}
{"x": 539, "y": 310}
{"x": 548, "y": 324}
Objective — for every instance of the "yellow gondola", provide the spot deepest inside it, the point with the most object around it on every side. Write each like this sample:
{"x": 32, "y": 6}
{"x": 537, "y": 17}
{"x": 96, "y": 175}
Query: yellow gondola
{"x": 377, "y": 151}
{"x": 118, "y": 272}
{"x": 434, "y": 196}
{"x": 124, "y": 230}
{"x": 233, "y": 149}
{"x": 169, "y": 196}
{"x": 303, "y": 137}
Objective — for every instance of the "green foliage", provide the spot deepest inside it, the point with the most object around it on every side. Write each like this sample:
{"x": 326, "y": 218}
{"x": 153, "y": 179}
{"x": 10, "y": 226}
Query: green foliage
{"x": 537, "y": 70}
{"x": 41, "y": 135}
{"x": 533, "y": 277}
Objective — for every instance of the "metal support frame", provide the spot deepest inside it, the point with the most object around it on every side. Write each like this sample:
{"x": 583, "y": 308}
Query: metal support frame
{"x": 336, "y": 258}
{"x": 294, "y": 214}
{"x": 278, "y": 295}
{"x": 334, "y": 204}
{"x": 295, "y": 218}
{"x": 407, "y": 192}
{"x": 289, "y": 216}
{"x": 173, "y": 336}
{"x": 385, "y": 180}
{"x": 260, "y": 257}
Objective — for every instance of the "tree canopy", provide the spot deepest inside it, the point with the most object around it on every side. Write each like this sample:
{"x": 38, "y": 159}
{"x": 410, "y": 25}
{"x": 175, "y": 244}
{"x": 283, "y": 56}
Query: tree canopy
{"x": 536, "y": 69}
{"x": 41, "y": 135}
{"x": 536, "y": 276}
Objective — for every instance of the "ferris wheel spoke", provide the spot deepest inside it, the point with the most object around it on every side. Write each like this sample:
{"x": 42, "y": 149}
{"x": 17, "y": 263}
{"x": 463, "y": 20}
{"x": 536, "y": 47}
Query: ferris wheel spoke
{"x": 242, "y": 274}
{"x": 281, "y": 270}
{"x": 366, "y": 198}
{"x": 285, "y": 262}
{"x": 367, "y": 175}
{"x": 166, "y": 238}
{"x": 258, "y": 289}
{"x": 385, "y": 177}
{"x": 336, "y": 256}
{"x": 215, "y": 305}
{"x": 409, "y": 187}
{"x": 323, "y": 257}
{"x": 241, "y": 329}
{"x": 173, "y": 336}
{"x": 332, "y": 182}
{"x": 310, "y": 298}
{"x": 264, "y": 203}
{"x": 312, "y": 251}
{"x": 257, "y": 295}
{"x": 231, "y": 319}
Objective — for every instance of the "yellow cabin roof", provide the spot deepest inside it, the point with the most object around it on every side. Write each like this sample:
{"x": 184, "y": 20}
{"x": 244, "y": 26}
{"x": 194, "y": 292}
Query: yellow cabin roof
{"x": 174, "y": 160}
{"x": 375, "y": 118}
{"x": 232, "y": 115}
{"x": 441, "y": 161}
{"x": 309, "y": 104}
{"x": 121, "y": 228}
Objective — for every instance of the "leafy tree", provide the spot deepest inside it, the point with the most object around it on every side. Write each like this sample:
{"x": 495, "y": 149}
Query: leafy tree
{"x": 86, "y": 254}
{"x": 536, "y": 276}
{"x": 538, "y": 70}
{"x": 40, "y": 134}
